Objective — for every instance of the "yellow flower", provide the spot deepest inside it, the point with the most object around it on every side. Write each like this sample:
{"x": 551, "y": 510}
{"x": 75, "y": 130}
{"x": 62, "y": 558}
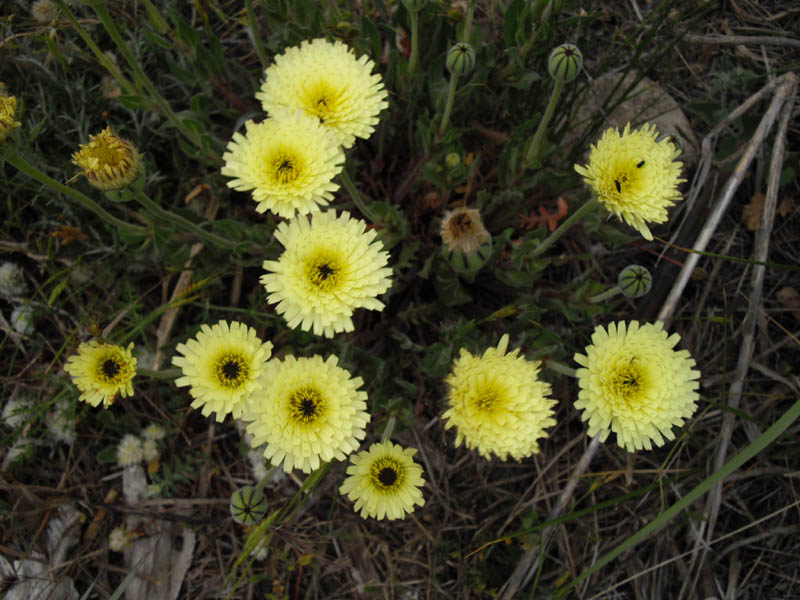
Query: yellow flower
{"x": 634, "y": 176}
{"x": 384, "y": 481}
{"x": 8, "y": 108}
{"x": 102, "y": 370}
{"x": 635, "y": 384}
{"x": 307, "y": 412}
{"x": 326, "y": 80}
{"x": 108, "y": 161}
{"x": 331, "y": 266}
{"x": 222, "y": 366}
{"x": 497, "y": 403}
{"x": 288, "y": 161}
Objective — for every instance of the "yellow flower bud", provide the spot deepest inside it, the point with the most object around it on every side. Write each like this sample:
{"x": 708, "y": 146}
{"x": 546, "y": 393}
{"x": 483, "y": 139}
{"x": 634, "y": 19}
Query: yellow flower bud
{"x": 108, "y": 161}
{"x": 8, "y": 107}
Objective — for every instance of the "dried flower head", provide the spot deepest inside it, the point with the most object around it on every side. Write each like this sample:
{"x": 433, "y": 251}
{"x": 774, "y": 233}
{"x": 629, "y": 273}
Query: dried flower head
{"x": 130, "y": 451}
{"x": 108, "y": 161}
{"x": 634, "y": 383}
{"x": 634, "y": 176}
{"x": 463, "y": 230}
{"x": 12, "y": 282}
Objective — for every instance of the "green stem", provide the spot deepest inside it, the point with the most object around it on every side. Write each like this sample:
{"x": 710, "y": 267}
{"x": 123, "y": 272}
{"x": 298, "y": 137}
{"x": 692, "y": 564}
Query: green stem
{"x": 564, "y": 227}
{"x": 413, "y": 58}
{"x": 11, "y": 155}
{"x": 251, "y": 18}
{"x": 468, "y": 22}
{"x": 558, "y": 367}
{"x": 535, "y": 148}
{"x": 162, "y": 374}
{"x": 182, "y": 223}
{"x": 127, "y": 86}
{"x": 387, "y": 431}
{"x": 101, "y": 10}
{"x": 266, "y": 479}
{"x": 602, "y": 296}
{"x": 448, "y": 108}
{"x": 356, "y": 197}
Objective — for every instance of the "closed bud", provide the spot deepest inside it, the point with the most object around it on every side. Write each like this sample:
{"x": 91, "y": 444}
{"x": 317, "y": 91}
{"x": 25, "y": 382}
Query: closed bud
{"x": 565, "y": 63}
{"x": 108, "y": 161}
{"x": 635, "y": 281}
{"x": 248, "y": 505}
{"x": 460, "y": 59}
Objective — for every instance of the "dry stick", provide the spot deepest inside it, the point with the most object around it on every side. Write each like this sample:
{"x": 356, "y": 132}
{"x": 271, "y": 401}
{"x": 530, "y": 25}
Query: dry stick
{"x": 784, "y": 83}
{"x": 529, "y": 562}
{"x": 184, "y": 280}
{"x": 742, "y": 39}
{"x": 785, "y": 94}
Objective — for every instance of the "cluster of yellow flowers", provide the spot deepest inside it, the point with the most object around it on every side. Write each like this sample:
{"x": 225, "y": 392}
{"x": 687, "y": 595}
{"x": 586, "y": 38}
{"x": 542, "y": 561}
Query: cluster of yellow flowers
{"x": 320, "y": 97}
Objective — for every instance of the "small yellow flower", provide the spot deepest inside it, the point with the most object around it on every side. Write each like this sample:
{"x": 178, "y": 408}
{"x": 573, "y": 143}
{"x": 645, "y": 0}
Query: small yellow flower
{"x": 102, "y": 370}
{"x": 384, "y": 481}
{"x": 634, "y": 176}
{"x": 635, "y": 384}
{"x": 309, "y": 411}
{"x": 8, "y": 109}
{"x": 108, "y": 161}
{"x": 222, "y": 366}
{"x": 497, "y": 403}
{"x": 463, "y": 230}
{"x": 330, "y": 267}
{"x": 326, "y": 80}
{"x": 288, "y": 161}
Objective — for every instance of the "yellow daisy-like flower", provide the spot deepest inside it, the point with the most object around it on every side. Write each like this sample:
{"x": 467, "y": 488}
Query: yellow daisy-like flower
{"x": 309, "y": 411}
{"x": 108, "y": 161}
{"x": 331, "y": 266}
{"x": 101, "y": 371}
{"x": 634, "y": 176}
{"x": 222, "y": 366}
{"x": 325, "y": 80}
{"x": 635, "y": 384}
{"x": 384, "y": 481}
{"x": 8, "y": 109}
{"x": 497, "y": 403}
{"x": 288, "y": 161}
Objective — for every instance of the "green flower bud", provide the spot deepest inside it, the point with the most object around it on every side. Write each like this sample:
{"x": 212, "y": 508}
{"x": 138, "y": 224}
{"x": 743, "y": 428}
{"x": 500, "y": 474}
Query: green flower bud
{"x": 635, "y": 281}
{"x": 460, "y": 59}
{"x": 452, "y": 160}
{"x": 415, "y": 5}
{"x": 248, "y": 505}
{"x": 468, "y": 263}
{"x": 565, "y": 63}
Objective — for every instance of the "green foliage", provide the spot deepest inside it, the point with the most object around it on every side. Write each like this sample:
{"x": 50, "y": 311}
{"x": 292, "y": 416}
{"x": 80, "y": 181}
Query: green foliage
{"x": 178, "y": 79}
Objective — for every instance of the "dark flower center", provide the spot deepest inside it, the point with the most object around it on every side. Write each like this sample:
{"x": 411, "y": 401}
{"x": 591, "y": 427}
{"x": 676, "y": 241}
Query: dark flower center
{"x": 110, "y": 368}
{"x": 387, "y": 476}
{"x": 306, "y": 404}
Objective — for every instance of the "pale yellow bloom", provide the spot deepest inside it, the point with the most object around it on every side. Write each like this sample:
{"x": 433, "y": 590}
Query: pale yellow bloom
{"x": 101, "y": 371}
{"x": 330, "y": 267}
{"x": 8, "y": 109}
{"x": 384, "y": 481}
{"x": 497, "y": 403}
{"x": 325, "y": 80}
{"x": 309, "y": 411}
{"x": 634, "y": 176}
{"x": 222, "y": 366}
{"x": 634, "y": 383}
{"x": 289, "y": 162}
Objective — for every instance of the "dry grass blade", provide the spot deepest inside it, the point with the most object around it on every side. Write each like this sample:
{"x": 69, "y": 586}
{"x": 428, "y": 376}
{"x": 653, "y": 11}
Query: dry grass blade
{"x": 781, "y": 85}
{"x": 784, "y": 94}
